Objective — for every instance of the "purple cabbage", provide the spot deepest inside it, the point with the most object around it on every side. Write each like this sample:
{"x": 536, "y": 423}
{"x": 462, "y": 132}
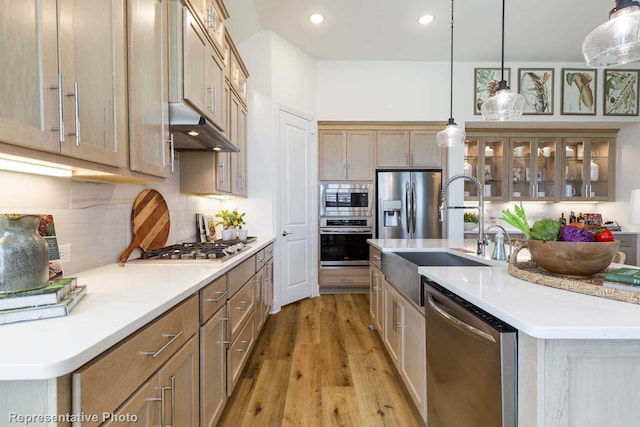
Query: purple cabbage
{"x": 570, "y": 233}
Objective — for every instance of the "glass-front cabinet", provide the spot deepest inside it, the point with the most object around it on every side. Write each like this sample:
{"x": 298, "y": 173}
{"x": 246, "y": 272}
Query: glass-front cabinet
{"x": 534, "y": 168}
{"x": 485, "y": 159}
{"x": 587, "y": 169}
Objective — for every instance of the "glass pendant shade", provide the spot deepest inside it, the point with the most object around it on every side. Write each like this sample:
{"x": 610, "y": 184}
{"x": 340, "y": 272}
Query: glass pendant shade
{"x": 617, "y": 41}
{"x": 451, "y": 135}
{"x": 504, "y": 105}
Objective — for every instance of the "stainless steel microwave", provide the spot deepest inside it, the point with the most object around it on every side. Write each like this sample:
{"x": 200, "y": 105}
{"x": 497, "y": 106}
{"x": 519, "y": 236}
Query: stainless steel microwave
{"x": 346, "y": 199}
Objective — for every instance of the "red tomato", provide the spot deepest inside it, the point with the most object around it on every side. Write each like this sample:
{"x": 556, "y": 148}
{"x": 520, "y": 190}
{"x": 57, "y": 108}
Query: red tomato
{"x": 604, "y": 236}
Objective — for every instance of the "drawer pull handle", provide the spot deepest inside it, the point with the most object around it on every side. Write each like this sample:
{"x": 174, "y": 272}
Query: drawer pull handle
{"x": 222, "y": 295}
{"x": 246, "y": 304}
{"x": 243, "y": 350}
{"x": 154, "y": 354}
{"x": 376, "y": 257}
{"x": 163, "y": 402}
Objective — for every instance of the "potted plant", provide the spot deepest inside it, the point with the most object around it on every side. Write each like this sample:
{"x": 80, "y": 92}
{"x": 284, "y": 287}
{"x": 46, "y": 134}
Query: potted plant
{"x": 470, "y": 221}
{"x": 230, "y": 222}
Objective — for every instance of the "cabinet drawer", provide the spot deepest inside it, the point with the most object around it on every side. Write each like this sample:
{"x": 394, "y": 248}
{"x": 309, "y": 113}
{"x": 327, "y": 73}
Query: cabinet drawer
{"x": 238, "y": 353}
{"x": 107, "y": 381}
{"x": 268, "y": 252}
{"x": 261, "y": 258}
{"x": 240, "y": 308}
{"x": 375, "y": 257}
{"x": 241, "y": 274}
{"x": 212, "y": 297}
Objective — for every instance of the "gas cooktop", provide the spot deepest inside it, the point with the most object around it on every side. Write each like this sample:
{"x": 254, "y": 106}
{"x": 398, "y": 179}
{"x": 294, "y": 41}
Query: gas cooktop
{"x": 219, "y": 250}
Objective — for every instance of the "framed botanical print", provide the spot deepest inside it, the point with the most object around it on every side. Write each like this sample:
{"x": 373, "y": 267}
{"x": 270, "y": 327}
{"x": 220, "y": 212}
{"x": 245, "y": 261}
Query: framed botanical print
{"x": 536, "y": 85}
{"x": 620, "y": 92}
{"x": 485, "y": 84}
{"x": 579, "y": 91}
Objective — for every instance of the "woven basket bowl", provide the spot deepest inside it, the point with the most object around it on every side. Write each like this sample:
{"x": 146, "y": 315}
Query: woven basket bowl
{"x": 576, "y": 259}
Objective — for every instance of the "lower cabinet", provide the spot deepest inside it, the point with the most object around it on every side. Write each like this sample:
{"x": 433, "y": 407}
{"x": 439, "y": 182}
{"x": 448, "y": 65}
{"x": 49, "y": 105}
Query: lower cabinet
{"x": 213, "y": 368}
{"x": 403, "y": 332}
{"x": 376, "y": 297}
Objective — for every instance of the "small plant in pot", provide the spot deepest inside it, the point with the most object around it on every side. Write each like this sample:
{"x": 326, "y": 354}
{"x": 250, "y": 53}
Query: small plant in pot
{"x": 231, "y": 222}
{"x": 470, "y": 221}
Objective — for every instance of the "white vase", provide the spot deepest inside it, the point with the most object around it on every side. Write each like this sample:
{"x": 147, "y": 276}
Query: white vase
{"x": 242, "y": 234}
{"x": 229, "y": 234}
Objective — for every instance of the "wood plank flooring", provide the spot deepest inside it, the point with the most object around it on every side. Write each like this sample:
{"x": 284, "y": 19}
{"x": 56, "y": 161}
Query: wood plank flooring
{"x": 317, "y": 363}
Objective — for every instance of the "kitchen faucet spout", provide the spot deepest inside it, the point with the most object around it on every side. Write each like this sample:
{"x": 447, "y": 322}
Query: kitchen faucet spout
{"x": 444, "y": 206}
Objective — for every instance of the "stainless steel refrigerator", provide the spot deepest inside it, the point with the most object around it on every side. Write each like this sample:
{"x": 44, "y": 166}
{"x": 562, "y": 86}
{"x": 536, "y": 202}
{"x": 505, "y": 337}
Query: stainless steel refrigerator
{"x": 407, "y": 204}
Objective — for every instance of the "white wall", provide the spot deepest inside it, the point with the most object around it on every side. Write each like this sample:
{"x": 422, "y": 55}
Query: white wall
{"x": 405, "y": 91}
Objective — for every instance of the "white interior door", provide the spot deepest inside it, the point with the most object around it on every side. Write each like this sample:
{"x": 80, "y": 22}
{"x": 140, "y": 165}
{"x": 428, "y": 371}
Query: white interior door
{"x": 297, "y": 210}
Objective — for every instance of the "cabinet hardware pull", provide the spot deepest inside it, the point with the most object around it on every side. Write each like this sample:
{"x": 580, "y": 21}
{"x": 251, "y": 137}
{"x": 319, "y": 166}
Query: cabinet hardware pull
{"x": 398, "y": 324}
{"x": 376, "y": 257}
{"x": 214, "y": 104}
{"x": 154, "y": 354}
{"x": 246, "y": 304}
{"x": 171, "y": 153}
{"x": 221, "y": 179}
{"x": 60, "y": 89}
{"x": 163, "y": 402}
{"x": 222, "y": 295}
{"x": 76, "y": 103}
{"x": 242, "y": 350}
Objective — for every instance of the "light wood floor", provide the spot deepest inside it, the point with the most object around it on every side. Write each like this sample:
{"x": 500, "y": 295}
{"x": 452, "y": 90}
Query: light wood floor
{"x": 317, "y": 363}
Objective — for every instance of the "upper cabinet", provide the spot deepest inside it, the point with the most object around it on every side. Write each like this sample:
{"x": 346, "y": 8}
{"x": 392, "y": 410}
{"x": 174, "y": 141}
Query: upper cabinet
{"x": 64, "y": 85}
{"x": 149, "y": 140}
{"x": 346, "y": 155}
{"x": 543, "y": 166}
{"x": 588, "y": 169}
{"x": 212, "y": 14}
{"x": 203, "y": 78}
{"x": 533, "y": 163}
{"x": 408, "y": 148}
{"x": 484, "y": 158}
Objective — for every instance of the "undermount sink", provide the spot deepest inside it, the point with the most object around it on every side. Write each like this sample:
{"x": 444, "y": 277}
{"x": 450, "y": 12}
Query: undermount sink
{"x": 438, "y": 259}
{"x": 401, "y": 269}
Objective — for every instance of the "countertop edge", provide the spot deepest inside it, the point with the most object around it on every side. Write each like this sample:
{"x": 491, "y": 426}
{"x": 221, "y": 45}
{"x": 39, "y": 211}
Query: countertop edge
{"x": 66, "y": 364}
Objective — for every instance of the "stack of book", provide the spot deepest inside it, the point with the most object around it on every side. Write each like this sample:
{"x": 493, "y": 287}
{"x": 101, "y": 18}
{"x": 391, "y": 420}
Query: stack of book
{"x": 623, "y": 278}
{"x": 56, "y": 299}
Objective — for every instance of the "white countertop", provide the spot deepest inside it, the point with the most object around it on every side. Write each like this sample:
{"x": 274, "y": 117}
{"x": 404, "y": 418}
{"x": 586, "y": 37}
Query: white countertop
{"x": 119, "y": 301}
{"x": 537, "y": 310}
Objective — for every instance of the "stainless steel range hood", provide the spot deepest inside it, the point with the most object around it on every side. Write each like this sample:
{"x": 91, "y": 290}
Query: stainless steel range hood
{"x": 193, "y": 132}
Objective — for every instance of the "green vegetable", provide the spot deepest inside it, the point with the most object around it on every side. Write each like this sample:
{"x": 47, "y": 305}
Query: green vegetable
{"x": 471, "y": 217}
{"x": 518, "y": 219}
{"x": 546, "y": 229}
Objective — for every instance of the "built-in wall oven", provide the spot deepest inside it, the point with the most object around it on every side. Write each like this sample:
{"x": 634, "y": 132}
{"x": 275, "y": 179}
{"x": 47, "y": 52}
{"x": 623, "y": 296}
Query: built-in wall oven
{"x": 351, "y": 199}
{"x": 343, "y": 241}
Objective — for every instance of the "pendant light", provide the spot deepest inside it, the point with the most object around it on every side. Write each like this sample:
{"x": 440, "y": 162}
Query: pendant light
{"x": 504, "y": 105}
{"x": 617, "y": 41}
{"x": 452, "y": 135}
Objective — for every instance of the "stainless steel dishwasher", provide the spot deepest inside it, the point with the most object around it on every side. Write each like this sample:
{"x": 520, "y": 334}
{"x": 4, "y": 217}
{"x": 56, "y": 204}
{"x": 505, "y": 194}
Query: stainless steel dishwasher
{"x": 471, "y": 363}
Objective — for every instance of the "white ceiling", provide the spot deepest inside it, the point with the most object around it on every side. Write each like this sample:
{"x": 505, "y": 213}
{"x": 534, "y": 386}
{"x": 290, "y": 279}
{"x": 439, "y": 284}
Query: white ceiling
{"x": 535, "y": 30}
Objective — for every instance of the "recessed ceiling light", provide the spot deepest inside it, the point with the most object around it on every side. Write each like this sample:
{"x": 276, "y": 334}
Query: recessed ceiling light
{"x": 425, "y": 19}
{"x": 316, "y": 18}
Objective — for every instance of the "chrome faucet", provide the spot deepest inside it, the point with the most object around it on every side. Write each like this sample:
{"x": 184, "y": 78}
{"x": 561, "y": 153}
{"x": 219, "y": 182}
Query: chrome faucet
{"x": 481, "y": 241}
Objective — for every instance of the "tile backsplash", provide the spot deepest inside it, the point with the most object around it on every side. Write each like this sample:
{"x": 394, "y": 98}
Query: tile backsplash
{"x": 95, "y": 218}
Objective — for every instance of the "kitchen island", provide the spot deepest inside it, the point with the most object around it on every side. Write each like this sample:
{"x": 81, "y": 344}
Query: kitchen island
{"x": 578, "y": 355}
{"x": 39, "y": 358}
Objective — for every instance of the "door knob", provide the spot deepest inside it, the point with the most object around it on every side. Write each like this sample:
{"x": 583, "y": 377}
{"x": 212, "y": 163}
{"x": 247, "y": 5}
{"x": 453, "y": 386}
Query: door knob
{"x": 285, "y": 233}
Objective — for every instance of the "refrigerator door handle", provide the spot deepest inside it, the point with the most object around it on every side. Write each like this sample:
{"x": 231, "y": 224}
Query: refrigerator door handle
{"x": 407, "y": 207}
{"x": 414, "y": 206}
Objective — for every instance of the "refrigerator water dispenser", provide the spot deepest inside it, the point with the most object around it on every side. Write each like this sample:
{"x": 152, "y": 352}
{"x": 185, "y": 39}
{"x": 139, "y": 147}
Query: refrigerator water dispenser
{"x": 391, "y": 209}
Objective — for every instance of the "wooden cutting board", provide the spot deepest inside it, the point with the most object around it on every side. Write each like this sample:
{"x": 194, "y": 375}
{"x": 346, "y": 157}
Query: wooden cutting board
{"x": 149, "y": 223}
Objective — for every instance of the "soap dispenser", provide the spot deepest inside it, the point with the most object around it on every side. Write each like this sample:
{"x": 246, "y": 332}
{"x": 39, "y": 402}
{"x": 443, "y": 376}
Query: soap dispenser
{"x": 499, "y": 252}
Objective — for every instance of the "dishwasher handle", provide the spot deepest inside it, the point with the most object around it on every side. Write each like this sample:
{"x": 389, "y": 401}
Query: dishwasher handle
{"x": 459, "y": 324}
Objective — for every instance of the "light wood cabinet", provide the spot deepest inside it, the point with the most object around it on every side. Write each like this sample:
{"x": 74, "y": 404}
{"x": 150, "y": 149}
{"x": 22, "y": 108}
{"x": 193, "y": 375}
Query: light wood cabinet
{"x": 555, "y": 166}
{"x": 212, "y": 14}
{"x": 346, "y": 155}
{"x": 179, "y": 387}
{"x": 629, "y": 245}
{"x": 149, "y": 140}
{"x": 238, "y": 135}
{"x": 343, "y": 279}
{"x": 404, "y": 337}
{"x": 203, "y": 84}
{"x": 213, "y": 368}
{"x": 535, "y": 168}
{"x": 74, "y": 75}
{"x": 108, "y": 381}
{"x": 408, "y": 148}
{"x": 376, "y": 289}
{"x": 29, "y": 112}
{"x": 588, "y": 169}
{"x": 140, "y": 410}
